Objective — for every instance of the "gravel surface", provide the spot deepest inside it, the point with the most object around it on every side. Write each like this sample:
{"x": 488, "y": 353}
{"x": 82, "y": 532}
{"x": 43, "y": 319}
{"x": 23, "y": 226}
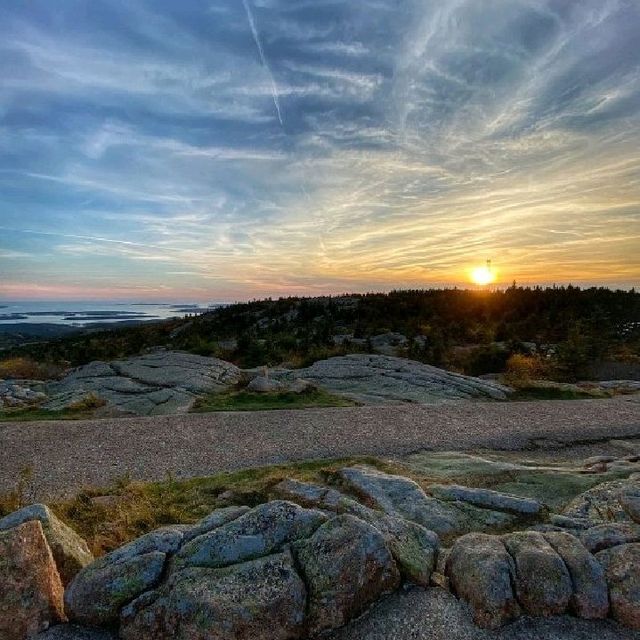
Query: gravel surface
{"x": 67, "y": 455}
{"x": 434, "y": 614}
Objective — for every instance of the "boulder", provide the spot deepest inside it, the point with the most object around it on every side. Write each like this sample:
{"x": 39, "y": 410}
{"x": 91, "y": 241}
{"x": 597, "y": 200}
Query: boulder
{"x": 262, "y": 531}
{"x": 590, "y": 598}
{"x": 487, "y": 499}
{"x": 543, "y": 584}
{"x": 346, "y": 566}
{"x": 481, "y": 572}
{"x": 262, "y": 384}
{"x": 316, "y": 496}
{"x": 214, "y": 520}
{"x": 604, "y": 536}
{"x": 400, "y": 496}
{"x": 301, "y": 386}
{"x": 413, "y": 547}
{"x": 622, "y": 571}
{"x": 603, "y": 503}
{"x": 101, "y": 589}
{"x": 630, "y": 501}
{"x": 69, "y": 550}
{"x": 30, "y": 586}
{"x": 75, "y": 632}
{"x": 261, "y": 599}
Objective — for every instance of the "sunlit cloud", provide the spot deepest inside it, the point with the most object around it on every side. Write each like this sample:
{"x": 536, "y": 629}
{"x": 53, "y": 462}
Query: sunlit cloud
{"x": 172, "y": 150}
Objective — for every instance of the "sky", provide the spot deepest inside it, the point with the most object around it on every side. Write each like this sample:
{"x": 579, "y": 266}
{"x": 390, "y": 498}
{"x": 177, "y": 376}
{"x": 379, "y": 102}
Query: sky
{"x": 232, "y": 149}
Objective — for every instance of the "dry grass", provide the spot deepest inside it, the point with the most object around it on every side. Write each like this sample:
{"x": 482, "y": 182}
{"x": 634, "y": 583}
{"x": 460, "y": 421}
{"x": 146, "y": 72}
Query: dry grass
{"x": 87, "y": 403}
{"x": 523, "y": 369}
{"x": 28, "y": 369}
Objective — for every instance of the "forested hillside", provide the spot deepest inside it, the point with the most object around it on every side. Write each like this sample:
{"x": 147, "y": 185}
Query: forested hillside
{"x": 474, "y": 331}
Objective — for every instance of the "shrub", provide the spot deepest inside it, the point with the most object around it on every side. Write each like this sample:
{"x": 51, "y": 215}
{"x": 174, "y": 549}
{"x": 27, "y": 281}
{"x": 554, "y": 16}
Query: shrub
{"x": 88, "y": 402}
{"x": 522, "y": 369}
{"x": 28, "y": 369}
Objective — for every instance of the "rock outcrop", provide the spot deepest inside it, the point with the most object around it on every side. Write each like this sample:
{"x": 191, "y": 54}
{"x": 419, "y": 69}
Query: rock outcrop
{"x": 346, "y": 565}
{"x": 447, "y": 511}
{"x": 262, "y": 599}
{"x": 541, "y": 575}
{"x": 101, "y": 589}
{"x": 259, "y": 532}
{"x": 315, "y": 557}
{"x": 378, "y": 379}
{"x": 157, "y": 383}
{"x": 278, "y": 570}
{"x": 413, "y": 546}
{"x": 589, "y": 594}
{"x": 542, "y": 581}
{"x": 70, "y": 551}
{"x": 622, "y": 570}
{"x": 30, "y": 586}
{"x": 20, "y": 394}
{"x": 482, "y": 574}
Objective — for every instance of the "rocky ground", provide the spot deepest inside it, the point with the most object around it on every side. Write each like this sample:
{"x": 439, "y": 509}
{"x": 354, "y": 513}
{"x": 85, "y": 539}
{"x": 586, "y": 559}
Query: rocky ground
{"x": 380, "y": 379}
{"x": 168, "y": 382}
{"x": 157, "y": 383}
{"x": 365, "y": 554}
{"x": 434, "y": 614}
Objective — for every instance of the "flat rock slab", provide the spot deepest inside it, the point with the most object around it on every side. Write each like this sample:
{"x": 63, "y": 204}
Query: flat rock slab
{"x": 434, "y": 614}
{"x": 75, "y": 632}
{"x": 158, "y": 383}
{"x": 379, "y": 379}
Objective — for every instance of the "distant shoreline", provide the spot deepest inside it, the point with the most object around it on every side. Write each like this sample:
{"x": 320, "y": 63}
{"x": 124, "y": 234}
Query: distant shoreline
{"x": 83, "y": 315}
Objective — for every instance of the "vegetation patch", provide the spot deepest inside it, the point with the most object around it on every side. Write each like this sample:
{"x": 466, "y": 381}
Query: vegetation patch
{"x": 544, "y": 392}
{"x": 243, "y": 400}
{"x": 25, "y": 368}
{"x": 36, "y": 413}
{"x": 567, "y": 330}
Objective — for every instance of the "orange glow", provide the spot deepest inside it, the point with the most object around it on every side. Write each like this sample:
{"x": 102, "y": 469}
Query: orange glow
{"x": 483, "y": 276}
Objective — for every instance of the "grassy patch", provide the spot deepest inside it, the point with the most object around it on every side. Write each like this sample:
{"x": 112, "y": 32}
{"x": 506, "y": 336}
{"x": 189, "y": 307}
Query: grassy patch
{"x": 555, "y": 393}
{"x": 35, "y": 413}
{"x": 242, "y": 400}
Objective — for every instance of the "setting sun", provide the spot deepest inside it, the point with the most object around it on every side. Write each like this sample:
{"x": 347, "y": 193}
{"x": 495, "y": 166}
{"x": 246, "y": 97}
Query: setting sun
{"x": 483, "y": 275}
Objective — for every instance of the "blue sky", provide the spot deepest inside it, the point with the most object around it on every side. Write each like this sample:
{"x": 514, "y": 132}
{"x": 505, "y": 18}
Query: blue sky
{"x": 237, "y": 148}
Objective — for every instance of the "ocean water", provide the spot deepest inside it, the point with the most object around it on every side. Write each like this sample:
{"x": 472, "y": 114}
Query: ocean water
{"x": 80, "y": 314}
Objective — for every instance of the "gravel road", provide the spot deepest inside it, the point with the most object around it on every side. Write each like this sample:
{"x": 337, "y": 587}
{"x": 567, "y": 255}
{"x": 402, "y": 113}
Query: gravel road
{"x": 67, "y": 455}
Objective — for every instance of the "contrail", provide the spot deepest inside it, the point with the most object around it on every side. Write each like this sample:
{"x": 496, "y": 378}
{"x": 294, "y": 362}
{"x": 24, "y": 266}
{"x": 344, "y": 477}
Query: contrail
{"x": 265, "y": 64}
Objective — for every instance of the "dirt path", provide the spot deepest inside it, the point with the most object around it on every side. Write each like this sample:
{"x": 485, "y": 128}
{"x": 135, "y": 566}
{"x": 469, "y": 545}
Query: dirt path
{"x": 67, "y": 455}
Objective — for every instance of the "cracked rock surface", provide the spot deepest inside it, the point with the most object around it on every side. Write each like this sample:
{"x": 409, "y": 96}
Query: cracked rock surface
{"x": 158, "y": 383}
{"x": 380, "y": 379}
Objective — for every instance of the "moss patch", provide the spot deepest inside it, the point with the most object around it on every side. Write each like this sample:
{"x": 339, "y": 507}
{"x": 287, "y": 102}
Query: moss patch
{"x": 34, "y": 413}
{"x": 243, "y": 400}
{"x": 551, "y": 482}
